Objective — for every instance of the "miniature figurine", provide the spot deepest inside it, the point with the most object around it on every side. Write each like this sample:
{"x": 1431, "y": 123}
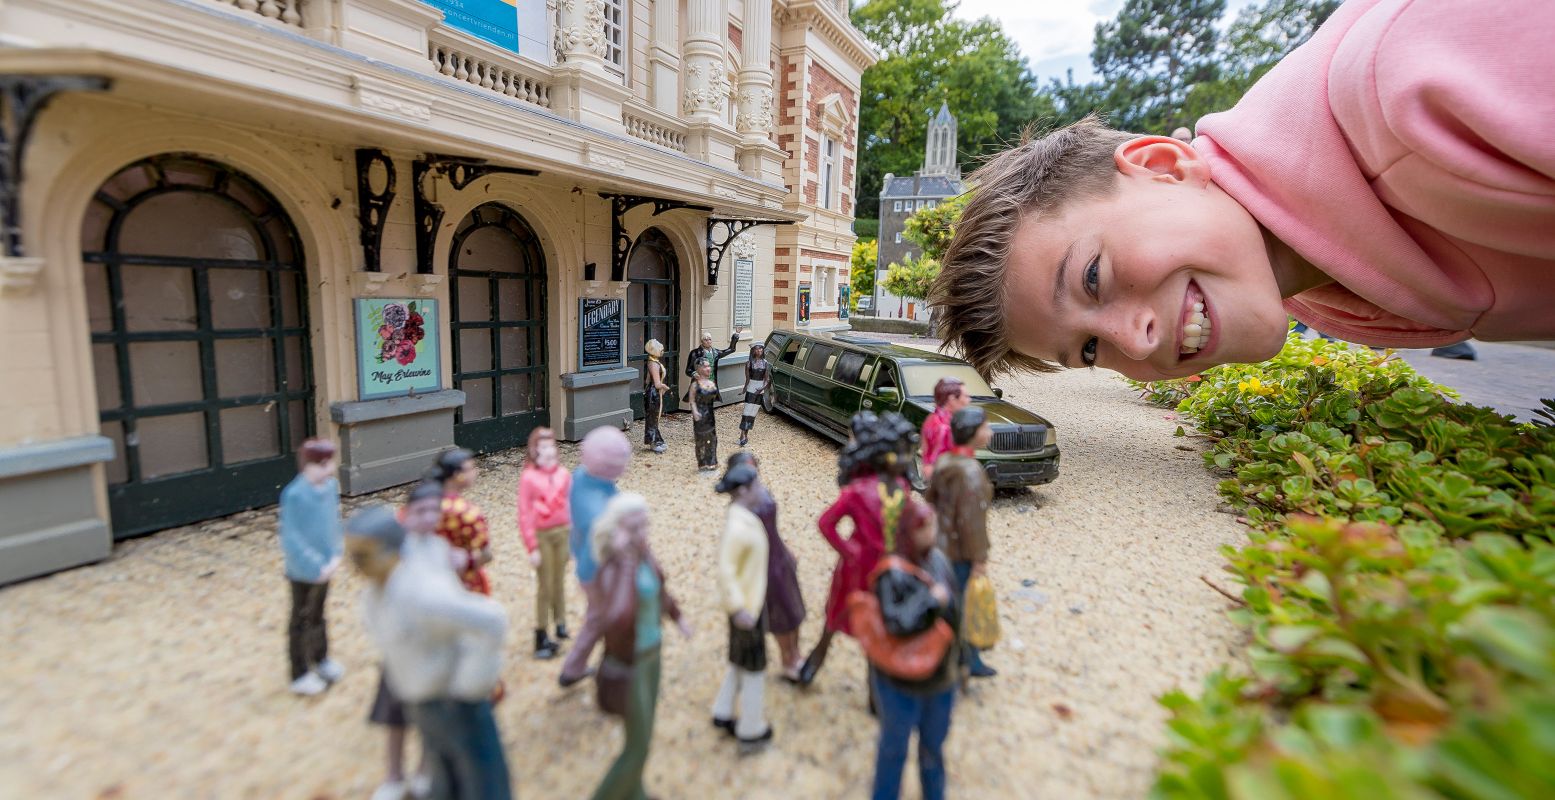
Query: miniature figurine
{"x": 704, "y": 424}
{"x": 654, "y": 389}
{"x": 543, "y": 520}
{"x": 915, "y": 590}
{"x": 960, "y": 493}
{"x": 422, "y": 511}
{"x": 758, "y": 378}
{"x": 442, "y": 652}
{"x": 463, "y": 525}
{"x": 635, "y": 598}
{"x": 870, "y": 472}
{"x": 949, "y": 397}
{"x": 708, "y": 352}
{"x": 785, "y": 604}
{"x": 311, "y": 544}
{"x": 742, "y": 581}
{"x": 604, "y": 454}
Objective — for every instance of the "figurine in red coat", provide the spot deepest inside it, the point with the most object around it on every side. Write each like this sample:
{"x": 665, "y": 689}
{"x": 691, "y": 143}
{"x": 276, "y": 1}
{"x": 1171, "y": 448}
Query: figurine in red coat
{"x": 871, "y": 472}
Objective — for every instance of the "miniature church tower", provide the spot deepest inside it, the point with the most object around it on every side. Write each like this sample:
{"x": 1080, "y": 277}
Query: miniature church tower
{"x": 939, "y": 156}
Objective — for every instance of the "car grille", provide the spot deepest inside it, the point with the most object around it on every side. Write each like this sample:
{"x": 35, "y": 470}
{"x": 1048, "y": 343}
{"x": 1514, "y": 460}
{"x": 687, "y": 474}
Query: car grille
{"x": 1023, "y": 440}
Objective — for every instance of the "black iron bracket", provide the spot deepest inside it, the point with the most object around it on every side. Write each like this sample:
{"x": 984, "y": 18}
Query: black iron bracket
{"x": 721, "y": 233}
{"x": 372, "y": 208}
{"x": 619, "y": 205}
{"x": 460, "y": 172}
{"x": 22, "y": 97}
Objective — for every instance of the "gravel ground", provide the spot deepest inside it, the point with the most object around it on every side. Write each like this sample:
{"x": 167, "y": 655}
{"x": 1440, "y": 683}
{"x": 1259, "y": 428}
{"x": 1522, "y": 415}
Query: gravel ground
{"x": 161, "y": 672}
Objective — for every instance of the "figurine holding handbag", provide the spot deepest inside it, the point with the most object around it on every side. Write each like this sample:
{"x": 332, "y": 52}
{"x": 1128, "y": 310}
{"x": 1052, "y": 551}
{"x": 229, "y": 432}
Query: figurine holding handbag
{"x": 960, "y": 493}
{"x": 631, "y": 588}
{"x": 907, "y": 624}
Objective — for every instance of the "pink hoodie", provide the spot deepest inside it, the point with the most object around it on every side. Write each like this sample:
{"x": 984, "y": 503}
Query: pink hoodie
{"x": 1408, "y": 151}
{"x": 542, "y": 501}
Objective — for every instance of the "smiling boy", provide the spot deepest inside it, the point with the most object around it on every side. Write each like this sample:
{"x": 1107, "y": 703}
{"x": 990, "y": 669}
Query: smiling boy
{"x": 1391, "y": 182}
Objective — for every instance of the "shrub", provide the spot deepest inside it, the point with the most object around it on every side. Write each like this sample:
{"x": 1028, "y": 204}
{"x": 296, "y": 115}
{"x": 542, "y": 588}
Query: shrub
{"x": 1399, "y": 587}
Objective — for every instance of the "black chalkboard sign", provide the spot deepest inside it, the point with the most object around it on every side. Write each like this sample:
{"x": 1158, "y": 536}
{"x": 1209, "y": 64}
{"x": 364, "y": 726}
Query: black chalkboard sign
{"x": 599, "y": 333}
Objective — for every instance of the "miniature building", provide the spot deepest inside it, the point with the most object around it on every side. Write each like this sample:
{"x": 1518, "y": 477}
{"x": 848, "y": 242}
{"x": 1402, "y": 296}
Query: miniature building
{"x": 403, "y": 225}
{"x": 939, "y": 179}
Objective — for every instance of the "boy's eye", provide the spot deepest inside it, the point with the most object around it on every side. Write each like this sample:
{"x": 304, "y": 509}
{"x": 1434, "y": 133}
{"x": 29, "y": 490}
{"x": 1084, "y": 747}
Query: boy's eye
{"x": 1088, "y": 352}
{"x": 1093, "y": 277}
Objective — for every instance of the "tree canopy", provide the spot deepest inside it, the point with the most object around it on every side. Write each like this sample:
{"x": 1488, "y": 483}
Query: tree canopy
{"x": 929, "y": 57}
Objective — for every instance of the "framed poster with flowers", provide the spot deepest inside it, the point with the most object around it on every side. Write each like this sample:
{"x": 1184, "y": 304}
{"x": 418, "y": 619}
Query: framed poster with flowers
{"x": 396, "y": 347}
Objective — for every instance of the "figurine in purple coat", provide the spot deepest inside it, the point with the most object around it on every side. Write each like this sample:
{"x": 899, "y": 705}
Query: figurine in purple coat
{"x": 785, "y": 605}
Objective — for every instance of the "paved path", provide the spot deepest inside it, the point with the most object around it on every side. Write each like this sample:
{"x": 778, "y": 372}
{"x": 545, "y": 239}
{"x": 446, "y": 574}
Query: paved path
{"x": 1507, "y": 377}
{"x": 160, "y": 673}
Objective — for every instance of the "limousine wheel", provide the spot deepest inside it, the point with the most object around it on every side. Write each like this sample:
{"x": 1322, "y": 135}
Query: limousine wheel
{"x": 766, "y": 400}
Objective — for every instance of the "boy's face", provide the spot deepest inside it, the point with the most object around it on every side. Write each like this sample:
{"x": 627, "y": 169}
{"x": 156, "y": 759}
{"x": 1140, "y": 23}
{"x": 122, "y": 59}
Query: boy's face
{"x": 423, "y": 515}
{"x": 1114, "y": 281}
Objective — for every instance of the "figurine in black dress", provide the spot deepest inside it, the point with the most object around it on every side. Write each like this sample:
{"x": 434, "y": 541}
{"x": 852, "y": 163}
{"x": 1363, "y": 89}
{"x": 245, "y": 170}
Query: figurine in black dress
{"x": 653, "y": 395}
{"x": 704, "y": 395}
{"x": 758, "y": 378}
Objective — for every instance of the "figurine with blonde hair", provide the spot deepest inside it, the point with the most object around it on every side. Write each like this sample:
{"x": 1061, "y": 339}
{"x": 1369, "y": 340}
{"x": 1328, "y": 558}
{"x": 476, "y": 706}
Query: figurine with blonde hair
{"x": 654, "y": 392}
{"x": 634, "y": 598}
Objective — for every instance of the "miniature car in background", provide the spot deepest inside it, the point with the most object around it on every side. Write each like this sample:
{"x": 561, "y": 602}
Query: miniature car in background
{"x": 821, "y": 382}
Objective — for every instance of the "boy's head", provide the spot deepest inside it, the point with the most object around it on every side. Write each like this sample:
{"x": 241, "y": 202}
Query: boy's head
{"x": 373, "y": 540}
{"x": 969, "y": 428}
{"x": 1092, "y": 246}
{"x": 950, "y": 394}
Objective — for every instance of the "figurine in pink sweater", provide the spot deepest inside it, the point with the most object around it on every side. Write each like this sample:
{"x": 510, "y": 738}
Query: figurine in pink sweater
{"x": 1390, "y": 182}
{"x": 543, "y": 520}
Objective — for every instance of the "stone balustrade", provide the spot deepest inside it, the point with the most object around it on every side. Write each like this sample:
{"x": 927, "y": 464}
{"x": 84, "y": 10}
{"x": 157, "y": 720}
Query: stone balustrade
{"x": 653, "y": 127}
{"x": 286, "y": 11}
{"x": 463, "y": 61}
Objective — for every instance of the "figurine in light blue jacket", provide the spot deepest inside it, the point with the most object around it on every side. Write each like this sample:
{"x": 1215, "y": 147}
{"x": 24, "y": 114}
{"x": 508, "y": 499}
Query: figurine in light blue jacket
{"x": 311, "y": 541}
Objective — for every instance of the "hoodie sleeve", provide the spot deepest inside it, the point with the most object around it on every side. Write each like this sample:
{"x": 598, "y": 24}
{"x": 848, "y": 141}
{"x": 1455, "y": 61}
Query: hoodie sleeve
{"x": 528, "y": 499}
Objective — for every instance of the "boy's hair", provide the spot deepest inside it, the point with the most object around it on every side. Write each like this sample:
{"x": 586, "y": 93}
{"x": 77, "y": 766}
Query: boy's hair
{"x": 424, "y": 490}
{"x": 315, "y": 451}
{"x": 1040, "y": 176}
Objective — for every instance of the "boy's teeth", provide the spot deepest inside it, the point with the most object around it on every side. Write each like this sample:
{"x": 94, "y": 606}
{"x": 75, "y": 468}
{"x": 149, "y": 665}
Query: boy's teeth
{"x": 1198, "y": 307}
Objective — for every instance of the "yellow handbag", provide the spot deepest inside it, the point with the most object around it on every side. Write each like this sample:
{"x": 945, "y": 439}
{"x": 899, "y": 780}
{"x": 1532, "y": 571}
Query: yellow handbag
{"x": 981, "y": 623}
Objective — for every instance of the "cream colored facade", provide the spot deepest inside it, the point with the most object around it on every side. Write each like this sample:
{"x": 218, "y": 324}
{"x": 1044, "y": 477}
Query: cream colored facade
{"x": 696, "y": 110}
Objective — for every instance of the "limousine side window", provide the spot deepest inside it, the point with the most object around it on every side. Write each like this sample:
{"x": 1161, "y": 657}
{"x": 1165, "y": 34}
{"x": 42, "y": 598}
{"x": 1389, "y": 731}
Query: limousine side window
{"x": 816, "y": 361}
{"x": 848, "y": 367}
{"x": 885, "y": 376}
{"x": 791, "y": 351}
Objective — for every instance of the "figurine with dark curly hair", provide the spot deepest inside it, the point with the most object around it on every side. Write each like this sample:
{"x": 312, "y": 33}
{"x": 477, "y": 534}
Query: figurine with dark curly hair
{"x": 871, "y": 472}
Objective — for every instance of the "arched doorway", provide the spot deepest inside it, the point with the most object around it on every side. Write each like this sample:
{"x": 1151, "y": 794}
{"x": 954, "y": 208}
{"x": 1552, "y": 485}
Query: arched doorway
{"x": 653, "y": 312}
{"x": 197, "y": 300}
{"x": 498, "y": 297}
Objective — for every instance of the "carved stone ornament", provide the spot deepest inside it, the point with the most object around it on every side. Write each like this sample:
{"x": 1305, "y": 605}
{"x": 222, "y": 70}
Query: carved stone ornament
{"x": 745, "y": 247}
{"x": 755, "y": 112}
{"x": 582, "y": 32}
{"x": 706, "y": 89}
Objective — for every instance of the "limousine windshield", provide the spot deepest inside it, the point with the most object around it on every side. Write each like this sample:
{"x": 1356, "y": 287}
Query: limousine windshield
{"x": 920, "y": 379}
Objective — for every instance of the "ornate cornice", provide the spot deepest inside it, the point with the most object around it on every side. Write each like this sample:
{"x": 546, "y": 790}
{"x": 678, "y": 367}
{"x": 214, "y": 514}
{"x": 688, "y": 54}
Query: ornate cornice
{"x": 824, "y": 18}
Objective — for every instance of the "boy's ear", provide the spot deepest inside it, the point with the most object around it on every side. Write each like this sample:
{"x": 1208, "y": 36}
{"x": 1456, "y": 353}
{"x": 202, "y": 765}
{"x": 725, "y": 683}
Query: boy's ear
{"x": 1161, "y": 158}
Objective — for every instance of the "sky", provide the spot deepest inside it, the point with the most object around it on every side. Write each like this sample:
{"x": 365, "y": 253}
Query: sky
{"x": 1055, "y": 35}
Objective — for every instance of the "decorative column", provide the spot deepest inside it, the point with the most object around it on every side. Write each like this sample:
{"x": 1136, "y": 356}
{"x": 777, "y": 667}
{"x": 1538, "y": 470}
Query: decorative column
{"x": 707, "y": 86}
{"x": 580, "y": 33}
{"x": 753, "y": 118}
{"x": 665, "y": 56}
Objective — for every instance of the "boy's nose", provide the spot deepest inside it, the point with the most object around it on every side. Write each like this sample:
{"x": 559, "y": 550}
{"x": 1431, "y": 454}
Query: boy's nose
{"x": 1137, "y": 335}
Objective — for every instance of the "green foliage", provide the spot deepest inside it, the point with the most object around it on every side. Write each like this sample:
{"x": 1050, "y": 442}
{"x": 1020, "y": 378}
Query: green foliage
{"x": 929, "y": 56}
{"x": 1398, "y": 586}
{"x": 932, "y": 228}
{"x": 1162, "y": 64}
{"x": 866, "y": 228}
{"x": 861, "y": 270}
{"x": 911, "y": 278}
{"x": 1151, "y": 53}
